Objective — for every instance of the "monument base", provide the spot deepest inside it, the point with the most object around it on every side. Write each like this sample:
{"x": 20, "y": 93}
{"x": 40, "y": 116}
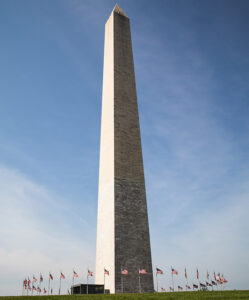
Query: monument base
{"x": 88, "y": 289}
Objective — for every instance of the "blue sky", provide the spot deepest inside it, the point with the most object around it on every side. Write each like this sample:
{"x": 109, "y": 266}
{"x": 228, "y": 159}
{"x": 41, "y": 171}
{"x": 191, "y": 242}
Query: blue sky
{"x": 192, "y": 74}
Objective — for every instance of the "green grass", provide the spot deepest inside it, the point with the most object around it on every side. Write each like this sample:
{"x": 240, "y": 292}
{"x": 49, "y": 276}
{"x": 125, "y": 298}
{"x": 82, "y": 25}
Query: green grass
{"x": 225, "y": 295}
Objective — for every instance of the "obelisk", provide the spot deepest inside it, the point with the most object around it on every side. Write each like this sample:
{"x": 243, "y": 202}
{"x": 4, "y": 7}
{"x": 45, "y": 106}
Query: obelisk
{"x": 123, "y": 240}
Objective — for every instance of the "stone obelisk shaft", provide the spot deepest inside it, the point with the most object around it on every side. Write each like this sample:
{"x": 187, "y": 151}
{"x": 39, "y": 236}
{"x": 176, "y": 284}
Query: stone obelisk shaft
{"x": 123, "y": 232}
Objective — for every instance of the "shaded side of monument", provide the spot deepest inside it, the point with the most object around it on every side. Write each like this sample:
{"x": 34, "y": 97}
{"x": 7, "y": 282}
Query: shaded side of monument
{"x": 123, "y": 240}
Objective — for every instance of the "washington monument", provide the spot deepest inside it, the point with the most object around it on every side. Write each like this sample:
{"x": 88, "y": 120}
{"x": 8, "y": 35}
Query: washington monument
{"x": 123, "y": 240}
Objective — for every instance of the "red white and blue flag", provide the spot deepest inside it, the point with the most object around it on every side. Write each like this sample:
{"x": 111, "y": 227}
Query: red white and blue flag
{"x": 171, "y": 289}
{"x": 179, "y": 288}
{"x": 173, "y": 271}
{"x": 197, "y": 273}
{"x": 89, "y": 273}
{"x": 41, "y": 278}
{"x": 188, "y": 287}
{"x": 142, "y": 271}
{"x": 75, "y": 274}
{"x": 163, "y": 289}
{"x": 106, "y": 272}
{"x": 124, "y": 272}
{"x": 51, "y": 276}
{"x": 34, "y": 279}
{"x": 62, "y": 276}
{"x": 195, "y": 286}
{"x": 159, "y": 271}
{"x": 186, "y": 273}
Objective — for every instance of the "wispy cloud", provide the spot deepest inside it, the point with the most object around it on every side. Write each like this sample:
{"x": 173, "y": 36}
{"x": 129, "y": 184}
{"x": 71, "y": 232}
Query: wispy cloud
{"x": 42, "y": 234}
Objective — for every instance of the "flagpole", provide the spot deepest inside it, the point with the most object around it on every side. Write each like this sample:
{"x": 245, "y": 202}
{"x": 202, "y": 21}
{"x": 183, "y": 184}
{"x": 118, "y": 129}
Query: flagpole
{"x": 72, "y": 291}
{"x": 87, "y": 282}
{"x": 122, "y": 288}
{"x": 156, "y": 282}
{"x": 139, "y": 280}
{"x": 199, "y": 279}
{"x": 104, "y": 279}
{"x": 48, "y": 283}
{"x": 60, "y": 286}
{"x": 172, "y": 280}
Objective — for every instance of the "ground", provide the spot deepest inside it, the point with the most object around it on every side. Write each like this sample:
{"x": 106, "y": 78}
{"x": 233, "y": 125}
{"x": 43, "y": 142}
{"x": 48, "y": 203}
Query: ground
{"x": 224, "y": 295}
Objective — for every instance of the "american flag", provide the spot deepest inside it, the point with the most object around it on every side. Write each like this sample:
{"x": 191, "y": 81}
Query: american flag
{"x": 186, "y": 273}
{"x": 124, "y": 272}
{"x": 174, "y": 271}
{"x": 89, "y": 273}
{"x": 202, "y": 285}
{"x": 163, "y": 289}
{"x": 41, "y": 278}
{"x": 39, "y": 289}
{"x": 195, "y": 286}
{"x": 217, "y": 277}
{"x": 106, "y": 272}
{"x": 214, "y": 283}
{"x": 44, "y": 291}
{"x": 34, "y": 279}
{"x": 25, "y": 282}
{"x": 159, "y": 271}
{"x": 75, "y": 274}
{"x": 33, "y": 288}
{"x": 62, "y": 276}
{"x": 188, "y": 287}
{"x": 179, "y": 288}
{"x": 207, "y": 275}
{"x": 51, "y": 276}
{"x": 143, "y": 271}
{"x": 208, "y": 284}
{"x": 171, "y": 289}
{"x": 28, "y": 281}
{"x": 197, "y": 273}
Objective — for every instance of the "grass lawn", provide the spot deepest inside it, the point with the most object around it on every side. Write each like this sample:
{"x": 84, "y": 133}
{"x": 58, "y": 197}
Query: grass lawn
{"x": 177, "y": 295}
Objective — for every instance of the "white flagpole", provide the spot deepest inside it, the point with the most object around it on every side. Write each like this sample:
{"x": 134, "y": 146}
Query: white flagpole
{"x": 122, "y": 288}
{"x": 32, "y": 286}
{"x": 73, "y": 285}
{"x": 186, "y": 278}
{"x": 60, "y": 286}
{"x": 139, "y": 280}
{"x": 87, "y": 282}
{"x": 156, "y": 281}
{"x": 48, "y": 283}
{"x": 172, "y": 280}
{"x": 104, "y": 279}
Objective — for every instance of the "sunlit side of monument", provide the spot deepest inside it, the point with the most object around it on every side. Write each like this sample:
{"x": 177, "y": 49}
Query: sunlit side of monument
{"x": 123, "y": 240}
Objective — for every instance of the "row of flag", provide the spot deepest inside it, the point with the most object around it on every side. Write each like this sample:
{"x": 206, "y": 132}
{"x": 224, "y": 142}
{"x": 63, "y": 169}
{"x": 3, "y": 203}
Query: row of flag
{"x": 217, "y": 277}
{"x": 29, "y": 284}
